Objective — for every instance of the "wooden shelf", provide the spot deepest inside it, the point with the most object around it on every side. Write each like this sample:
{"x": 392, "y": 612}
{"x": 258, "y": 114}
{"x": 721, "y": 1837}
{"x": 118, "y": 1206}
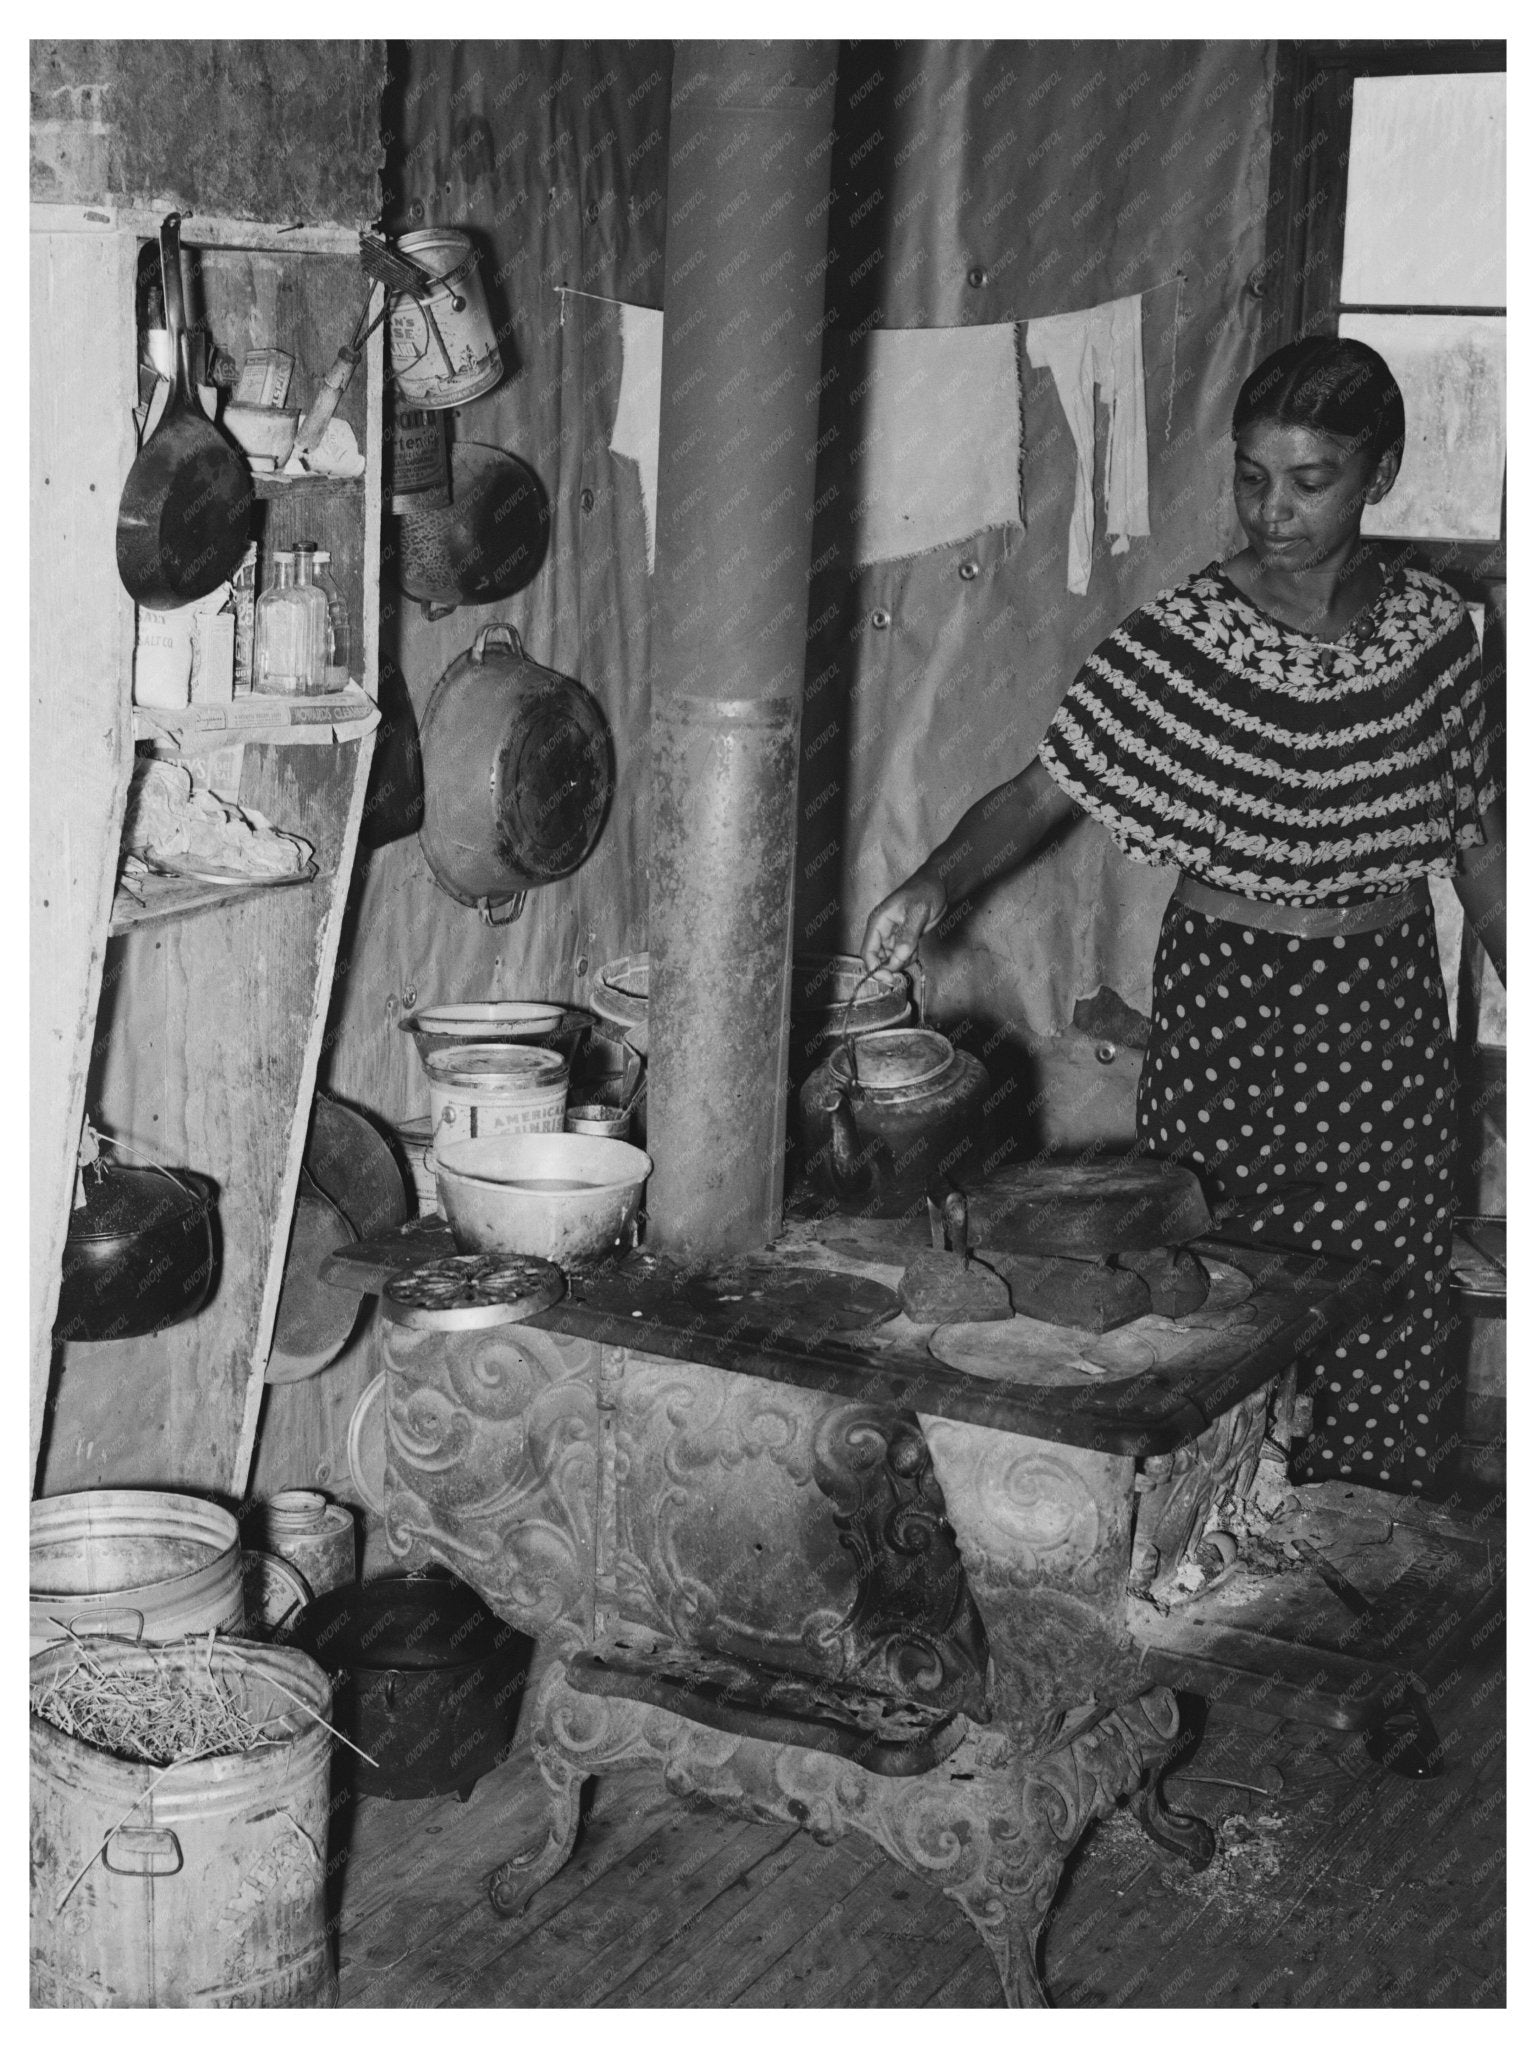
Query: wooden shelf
{"x": 272, "y": 483}
{"x": 167, "y": 896}
{"x": 276, "y": 721}
{"x": 208, "y": 1030}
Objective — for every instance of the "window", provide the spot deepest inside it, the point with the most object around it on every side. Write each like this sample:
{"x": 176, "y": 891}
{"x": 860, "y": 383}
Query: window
{"x": 1387, "y": 222}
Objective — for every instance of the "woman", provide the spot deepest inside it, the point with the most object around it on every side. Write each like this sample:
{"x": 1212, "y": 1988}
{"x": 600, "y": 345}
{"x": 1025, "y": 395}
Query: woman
{"x": 1301, "y": 731}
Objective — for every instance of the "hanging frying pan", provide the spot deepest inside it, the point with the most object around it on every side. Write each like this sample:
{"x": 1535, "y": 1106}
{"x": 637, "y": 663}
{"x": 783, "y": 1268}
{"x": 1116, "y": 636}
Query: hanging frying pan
{"x": 487, "y": 545}
{"x": 185, "y": 513}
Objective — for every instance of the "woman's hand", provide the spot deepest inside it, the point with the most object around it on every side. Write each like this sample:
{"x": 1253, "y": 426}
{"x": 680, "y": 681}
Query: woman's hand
{"x": 896, "y": 925}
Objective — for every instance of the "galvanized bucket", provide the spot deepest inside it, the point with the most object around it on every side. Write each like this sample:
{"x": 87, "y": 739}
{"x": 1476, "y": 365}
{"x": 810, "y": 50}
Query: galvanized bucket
{"x": 122, "y": 1562}
{"x": 198, "y": 1885}
{"x": 442, "y": 348}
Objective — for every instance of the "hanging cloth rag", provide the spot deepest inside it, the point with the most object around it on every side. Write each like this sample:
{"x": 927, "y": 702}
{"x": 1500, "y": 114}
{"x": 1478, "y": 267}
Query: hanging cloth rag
{"x": 1100, "y": 347}
{"x": 637, "y": 420}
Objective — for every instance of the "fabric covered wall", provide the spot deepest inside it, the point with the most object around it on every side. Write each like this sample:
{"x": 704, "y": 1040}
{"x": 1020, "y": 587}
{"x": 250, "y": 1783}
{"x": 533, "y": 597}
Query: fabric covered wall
{"x": 1012, "y": 182}
{"x": 553, "y": 156}
{"x": 975, "y": 187}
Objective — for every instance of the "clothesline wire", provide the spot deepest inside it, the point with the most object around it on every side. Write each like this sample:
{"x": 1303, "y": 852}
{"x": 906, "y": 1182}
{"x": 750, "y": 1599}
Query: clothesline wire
{"x": 1178, "y": 277}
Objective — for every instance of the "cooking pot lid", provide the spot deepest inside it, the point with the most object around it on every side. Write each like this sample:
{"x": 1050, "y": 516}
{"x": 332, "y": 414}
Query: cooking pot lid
{"x": 123, "y": 1200}
{"x": 894, "y": 1059}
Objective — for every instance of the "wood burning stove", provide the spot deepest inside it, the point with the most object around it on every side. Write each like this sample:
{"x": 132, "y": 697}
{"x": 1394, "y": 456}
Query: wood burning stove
{"x": 818, "y": 1576}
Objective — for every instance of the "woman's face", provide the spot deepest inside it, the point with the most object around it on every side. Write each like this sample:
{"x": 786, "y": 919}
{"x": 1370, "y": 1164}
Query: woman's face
{"x": 1300, "y": 492}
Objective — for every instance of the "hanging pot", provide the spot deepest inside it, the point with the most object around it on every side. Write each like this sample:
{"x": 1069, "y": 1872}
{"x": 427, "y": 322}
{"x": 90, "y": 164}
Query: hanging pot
{"x": 138, "y": 1256}
{"x": 484, "y": 547}
{"x": 518, "y": 767}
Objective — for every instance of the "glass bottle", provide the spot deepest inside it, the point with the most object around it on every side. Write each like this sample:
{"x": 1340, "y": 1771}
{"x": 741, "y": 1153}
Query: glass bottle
{"x": 245, "y": 580}
{"x": 338, "y": 658}
{"x": 292, "y": 624}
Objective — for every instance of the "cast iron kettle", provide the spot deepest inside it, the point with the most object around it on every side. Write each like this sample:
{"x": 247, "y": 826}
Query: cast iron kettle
{"x": 518, "y": 767}
{"x": 139, "y": 1255}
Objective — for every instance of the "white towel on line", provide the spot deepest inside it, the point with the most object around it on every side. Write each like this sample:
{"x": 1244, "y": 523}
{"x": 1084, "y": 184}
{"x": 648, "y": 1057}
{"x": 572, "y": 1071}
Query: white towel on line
{"x": 1100, "y": 347}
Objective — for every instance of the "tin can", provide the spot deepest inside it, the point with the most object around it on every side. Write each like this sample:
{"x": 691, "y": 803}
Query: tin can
{"x": 442, "y": 347}
{"x": 314, "y": 1535}
{"x": 418, "y": 473}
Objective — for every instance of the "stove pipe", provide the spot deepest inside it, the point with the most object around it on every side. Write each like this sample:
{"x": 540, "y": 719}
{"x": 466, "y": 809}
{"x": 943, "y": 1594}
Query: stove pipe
{"x": 747, "y": 190}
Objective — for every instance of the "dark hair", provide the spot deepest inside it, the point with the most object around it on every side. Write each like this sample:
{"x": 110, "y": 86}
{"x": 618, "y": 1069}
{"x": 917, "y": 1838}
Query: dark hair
{"x": 1338, "y": 387}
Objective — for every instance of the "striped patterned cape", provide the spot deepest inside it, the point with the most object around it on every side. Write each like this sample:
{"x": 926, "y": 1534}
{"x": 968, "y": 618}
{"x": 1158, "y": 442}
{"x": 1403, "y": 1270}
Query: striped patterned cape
{"x": 1205, "y": 735}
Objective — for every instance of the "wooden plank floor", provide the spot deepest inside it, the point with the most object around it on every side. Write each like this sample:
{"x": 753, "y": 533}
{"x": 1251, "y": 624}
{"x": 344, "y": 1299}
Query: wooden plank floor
{"x": 1348, "y": 1887}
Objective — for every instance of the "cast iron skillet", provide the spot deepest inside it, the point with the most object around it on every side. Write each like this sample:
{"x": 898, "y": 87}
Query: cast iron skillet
{"x": 185, "y": 513}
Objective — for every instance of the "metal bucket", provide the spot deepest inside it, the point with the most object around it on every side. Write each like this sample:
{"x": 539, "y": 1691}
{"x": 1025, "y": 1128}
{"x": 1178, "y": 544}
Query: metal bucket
{"x": 483, "y": 1091}
{"x": 442, "y": 349}
{"x": 128, "y": 1563}
{"x": 212, "y": 1891}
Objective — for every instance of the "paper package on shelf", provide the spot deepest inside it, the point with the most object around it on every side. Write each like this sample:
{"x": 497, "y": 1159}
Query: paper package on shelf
{"x": 175, "y": 826}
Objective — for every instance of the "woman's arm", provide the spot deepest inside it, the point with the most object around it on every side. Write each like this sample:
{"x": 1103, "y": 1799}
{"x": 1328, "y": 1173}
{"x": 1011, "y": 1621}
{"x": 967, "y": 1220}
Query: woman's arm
{"x": 996, "y": 835}
{"x": 1479, "y": 882}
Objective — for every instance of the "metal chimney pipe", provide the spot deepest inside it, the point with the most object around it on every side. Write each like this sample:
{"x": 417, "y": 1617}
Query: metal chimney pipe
{"x": 747, "y": 189}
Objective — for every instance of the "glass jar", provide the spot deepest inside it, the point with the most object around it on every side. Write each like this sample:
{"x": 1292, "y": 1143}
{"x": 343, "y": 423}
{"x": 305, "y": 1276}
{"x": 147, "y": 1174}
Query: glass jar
{"x": 292, "y": 631}
{"x": 338, "y": 655}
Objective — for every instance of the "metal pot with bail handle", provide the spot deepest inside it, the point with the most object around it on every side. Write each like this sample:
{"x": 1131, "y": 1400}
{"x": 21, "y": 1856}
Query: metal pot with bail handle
{"x": 517, "y": 763}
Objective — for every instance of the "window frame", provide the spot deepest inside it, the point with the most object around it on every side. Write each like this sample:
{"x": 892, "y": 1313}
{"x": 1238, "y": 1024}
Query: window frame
{"x": 1303, "y": 266}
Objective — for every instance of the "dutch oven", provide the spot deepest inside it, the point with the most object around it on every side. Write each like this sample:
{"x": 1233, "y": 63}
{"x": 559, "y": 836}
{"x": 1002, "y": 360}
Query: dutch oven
{"x": 518, "y": 767}
{"x": 427, "y": 1680}
{"x": 139, "y": 1254}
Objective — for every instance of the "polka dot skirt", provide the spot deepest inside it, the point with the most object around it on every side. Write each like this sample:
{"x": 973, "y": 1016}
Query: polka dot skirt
{"x": 1308, "y": 1082}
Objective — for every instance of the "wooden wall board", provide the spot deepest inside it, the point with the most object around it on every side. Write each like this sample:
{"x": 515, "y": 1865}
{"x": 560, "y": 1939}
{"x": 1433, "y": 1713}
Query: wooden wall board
{"x": 82, "y": 446}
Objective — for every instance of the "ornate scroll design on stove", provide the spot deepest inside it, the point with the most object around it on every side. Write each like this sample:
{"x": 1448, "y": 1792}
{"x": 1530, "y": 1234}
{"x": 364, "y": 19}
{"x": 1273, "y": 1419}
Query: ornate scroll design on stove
{"x": 990, "y": 1830}
{"x": 1173, "y": 1509}
{"x": 492, "y": 1467}
{"x": 791, "y": 1528}
{"x": 1045, "y": 1535}
{"x": 914, "y": 1625}
{"x": 714, "y": 1524}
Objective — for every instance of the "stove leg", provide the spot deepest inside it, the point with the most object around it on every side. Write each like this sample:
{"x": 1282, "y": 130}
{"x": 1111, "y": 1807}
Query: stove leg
{"x": 1184, "y": 1833}
{"x": 514, "y": 1882}
{"x": 1011, "y": 1930}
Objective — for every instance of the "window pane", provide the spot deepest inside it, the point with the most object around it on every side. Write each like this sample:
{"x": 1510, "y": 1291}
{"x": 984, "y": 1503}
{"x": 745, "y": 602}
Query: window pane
{"x": 1451, "y": 374}
{"x": 1424, "y": 219}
